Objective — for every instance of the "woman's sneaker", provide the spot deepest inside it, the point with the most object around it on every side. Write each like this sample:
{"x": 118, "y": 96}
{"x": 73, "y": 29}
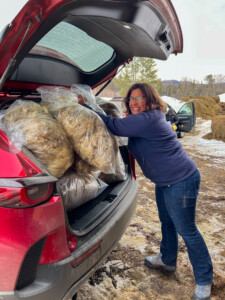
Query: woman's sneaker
{"x": 202, "y": 292}
{"x": 156, "y": 262}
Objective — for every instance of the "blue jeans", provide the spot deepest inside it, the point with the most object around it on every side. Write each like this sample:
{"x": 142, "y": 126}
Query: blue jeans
{"x": 176, "y": 206}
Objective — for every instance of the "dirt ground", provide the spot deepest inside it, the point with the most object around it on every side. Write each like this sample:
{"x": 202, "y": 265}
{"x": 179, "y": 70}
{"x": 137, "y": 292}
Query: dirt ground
{"x": 124, "y": 275}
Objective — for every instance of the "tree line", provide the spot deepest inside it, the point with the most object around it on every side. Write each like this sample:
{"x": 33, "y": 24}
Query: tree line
{"x": 142, "y": 69}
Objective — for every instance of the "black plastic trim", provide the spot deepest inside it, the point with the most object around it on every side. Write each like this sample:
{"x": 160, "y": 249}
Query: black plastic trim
{"x": 29, "y": 267}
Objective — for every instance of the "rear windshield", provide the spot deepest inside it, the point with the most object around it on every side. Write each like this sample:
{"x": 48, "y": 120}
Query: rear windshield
{"x": 71, "y": 44}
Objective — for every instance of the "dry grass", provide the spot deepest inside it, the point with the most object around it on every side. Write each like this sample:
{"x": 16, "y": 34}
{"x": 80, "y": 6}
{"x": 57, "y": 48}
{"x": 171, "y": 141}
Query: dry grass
{"x": 218, "y": 129}
{"x": 205, "y": 107}
{"x": 222, "y": 105}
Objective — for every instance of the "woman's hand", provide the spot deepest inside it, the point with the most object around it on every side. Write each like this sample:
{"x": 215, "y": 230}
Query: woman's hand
{"x": 81, "y": 99}
{"x": 174, "y": 127}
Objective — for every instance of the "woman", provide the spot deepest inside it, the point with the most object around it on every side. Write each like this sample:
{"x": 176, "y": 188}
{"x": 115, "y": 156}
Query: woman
{"x": 162, "y": 159}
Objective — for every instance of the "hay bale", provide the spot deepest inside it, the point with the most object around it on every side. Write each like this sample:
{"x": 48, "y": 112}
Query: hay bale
{"x": 205, "y": 107}
{"x": 217, "y": 129}
{"x": 222, "y": 105}
{"x": 217, "y": 99}
{"x": 187, "y": 99}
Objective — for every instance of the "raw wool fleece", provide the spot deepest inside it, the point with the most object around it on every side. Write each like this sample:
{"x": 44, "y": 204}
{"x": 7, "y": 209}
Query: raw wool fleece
{"x": 75, "y": 190}
{"x": 84, "y": 169}
{"x": 42, "y": 135}
{"x": 109, "y": 108}
{"x": 120, "y": 172}
{"x": 87, "y": 132}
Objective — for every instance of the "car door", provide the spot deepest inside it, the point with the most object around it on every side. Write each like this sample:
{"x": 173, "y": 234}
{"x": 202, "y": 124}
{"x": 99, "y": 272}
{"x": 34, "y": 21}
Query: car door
{"x": 187, "y": 118}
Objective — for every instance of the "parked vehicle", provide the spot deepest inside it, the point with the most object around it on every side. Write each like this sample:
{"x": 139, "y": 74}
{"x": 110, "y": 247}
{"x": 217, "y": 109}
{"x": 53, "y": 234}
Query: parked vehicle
{"x": 184, "y": 119}
{"x": 46, "y": 252}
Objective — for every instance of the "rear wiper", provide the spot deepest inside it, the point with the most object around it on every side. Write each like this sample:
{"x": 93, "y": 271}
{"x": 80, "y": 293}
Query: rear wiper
{"x": 13, "y": 59}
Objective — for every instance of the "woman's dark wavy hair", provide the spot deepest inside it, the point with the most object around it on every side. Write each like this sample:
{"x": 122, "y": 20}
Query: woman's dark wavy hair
{"x": 153, "y": 100}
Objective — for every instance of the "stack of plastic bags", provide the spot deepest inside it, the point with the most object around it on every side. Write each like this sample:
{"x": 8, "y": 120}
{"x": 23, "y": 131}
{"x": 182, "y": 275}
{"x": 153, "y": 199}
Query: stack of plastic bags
{"x": 70, "y": 140}
{"x": 86, "y": 131}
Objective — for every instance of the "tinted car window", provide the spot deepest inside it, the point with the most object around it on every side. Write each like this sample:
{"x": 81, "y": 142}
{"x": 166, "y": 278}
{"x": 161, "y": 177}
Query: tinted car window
{"x": 75, "y": 46}
{"x": 186, "y": 109}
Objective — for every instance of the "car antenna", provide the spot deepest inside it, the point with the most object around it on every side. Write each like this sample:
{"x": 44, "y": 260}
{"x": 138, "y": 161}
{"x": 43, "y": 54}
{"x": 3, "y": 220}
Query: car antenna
{"x": 13, "y": 59}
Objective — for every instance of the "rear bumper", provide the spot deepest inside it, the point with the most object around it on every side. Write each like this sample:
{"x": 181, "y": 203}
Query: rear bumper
{"x": 61, "y": 280}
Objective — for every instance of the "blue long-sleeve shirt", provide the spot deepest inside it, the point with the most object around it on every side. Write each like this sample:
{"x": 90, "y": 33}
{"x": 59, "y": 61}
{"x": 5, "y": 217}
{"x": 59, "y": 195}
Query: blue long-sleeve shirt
{"x": 154, "y": 145}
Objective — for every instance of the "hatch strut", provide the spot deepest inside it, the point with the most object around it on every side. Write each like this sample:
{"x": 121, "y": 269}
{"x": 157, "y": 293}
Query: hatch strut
{"x": 108, "y": 82}
{"x": 13, "y": 59}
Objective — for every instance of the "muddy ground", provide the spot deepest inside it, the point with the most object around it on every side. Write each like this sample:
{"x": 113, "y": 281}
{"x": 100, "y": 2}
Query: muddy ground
{"x": 124, "y": 275}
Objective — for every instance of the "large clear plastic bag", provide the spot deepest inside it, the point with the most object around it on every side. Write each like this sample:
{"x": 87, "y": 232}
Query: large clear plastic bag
{"x": 112, "y": 110}
{"x": 28, "y": 124}
{"x": 84, "y": 169}
{"x": 109, "y": 107}
{"x": 87, "y": 93}
{"x": 54, "y": 98}
{"x": 87, "y": 132}
{"x": 120, "y": 174}
{"x": 120, "y": 170}
{"x": 76, "y": 191}
{"x": 16, "y": 139}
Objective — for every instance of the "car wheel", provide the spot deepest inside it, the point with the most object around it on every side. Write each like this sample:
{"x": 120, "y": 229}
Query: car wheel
{"x": 180, "y": 134}
{"x": 74, "y": 297}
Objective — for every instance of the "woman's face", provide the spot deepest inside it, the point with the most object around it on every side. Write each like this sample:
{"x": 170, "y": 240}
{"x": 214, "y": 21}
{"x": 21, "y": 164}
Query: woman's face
{"x": 137, "y": 102}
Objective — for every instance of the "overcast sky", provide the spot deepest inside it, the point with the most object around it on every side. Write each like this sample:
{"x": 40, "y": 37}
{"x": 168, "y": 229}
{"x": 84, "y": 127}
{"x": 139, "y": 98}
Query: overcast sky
{"x": 203, "y": 26}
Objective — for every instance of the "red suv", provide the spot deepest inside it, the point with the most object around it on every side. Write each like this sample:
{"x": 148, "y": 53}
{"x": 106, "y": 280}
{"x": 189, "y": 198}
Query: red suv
{"x": 46, "y": 251}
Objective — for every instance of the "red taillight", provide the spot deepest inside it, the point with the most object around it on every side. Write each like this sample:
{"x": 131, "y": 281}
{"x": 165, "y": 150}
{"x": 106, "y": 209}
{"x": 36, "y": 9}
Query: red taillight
{"x": 25, "y": 196}
{"x": 28, "y": 166}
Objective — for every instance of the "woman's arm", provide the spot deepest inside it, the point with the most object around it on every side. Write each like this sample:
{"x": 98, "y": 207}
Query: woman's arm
{"x": 131, "y": 126}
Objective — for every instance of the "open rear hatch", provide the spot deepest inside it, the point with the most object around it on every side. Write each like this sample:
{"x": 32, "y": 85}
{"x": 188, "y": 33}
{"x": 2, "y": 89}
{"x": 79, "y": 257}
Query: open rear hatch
{"x": 122, "y": 30}
{"x": 65, "y": 42}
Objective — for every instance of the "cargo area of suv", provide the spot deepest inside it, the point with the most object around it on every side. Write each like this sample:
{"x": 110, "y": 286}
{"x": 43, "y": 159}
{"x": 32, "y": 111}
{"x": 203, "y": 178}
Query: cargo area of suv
{"x": 50, "y": 241}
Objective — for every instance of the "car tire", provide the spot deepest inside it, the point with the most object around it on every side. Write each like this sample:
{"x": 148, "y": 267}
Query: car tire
{"x": 74, "y": 297}
{"x": 180, "y": 134}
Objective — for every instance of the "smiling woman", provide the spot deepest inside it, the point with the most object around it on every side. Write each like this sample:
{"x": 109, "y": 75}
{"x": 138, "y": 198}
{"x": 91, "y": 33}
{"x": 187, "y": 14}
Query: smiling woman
{"x": 163, "y": 160}
{"x": 143, "y": 97}
{"x": 137, "y": 101}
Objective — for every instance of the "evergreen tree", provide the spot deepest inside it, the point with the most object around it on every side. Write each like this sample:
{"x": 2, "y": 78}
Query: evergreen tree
{"x": 209, "y": 79}
{"x": 140, "y": 69}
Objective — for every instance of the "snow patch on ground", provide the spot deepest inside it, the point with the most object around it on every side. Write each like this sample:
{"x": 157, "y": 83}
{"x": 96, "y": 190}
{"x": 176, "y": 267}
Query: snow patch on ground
{"x": 208, "y": 147}
{"x": 222, "y": 97}
{"x": 211, "y": 149}
{"x": 175, "y": 103}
